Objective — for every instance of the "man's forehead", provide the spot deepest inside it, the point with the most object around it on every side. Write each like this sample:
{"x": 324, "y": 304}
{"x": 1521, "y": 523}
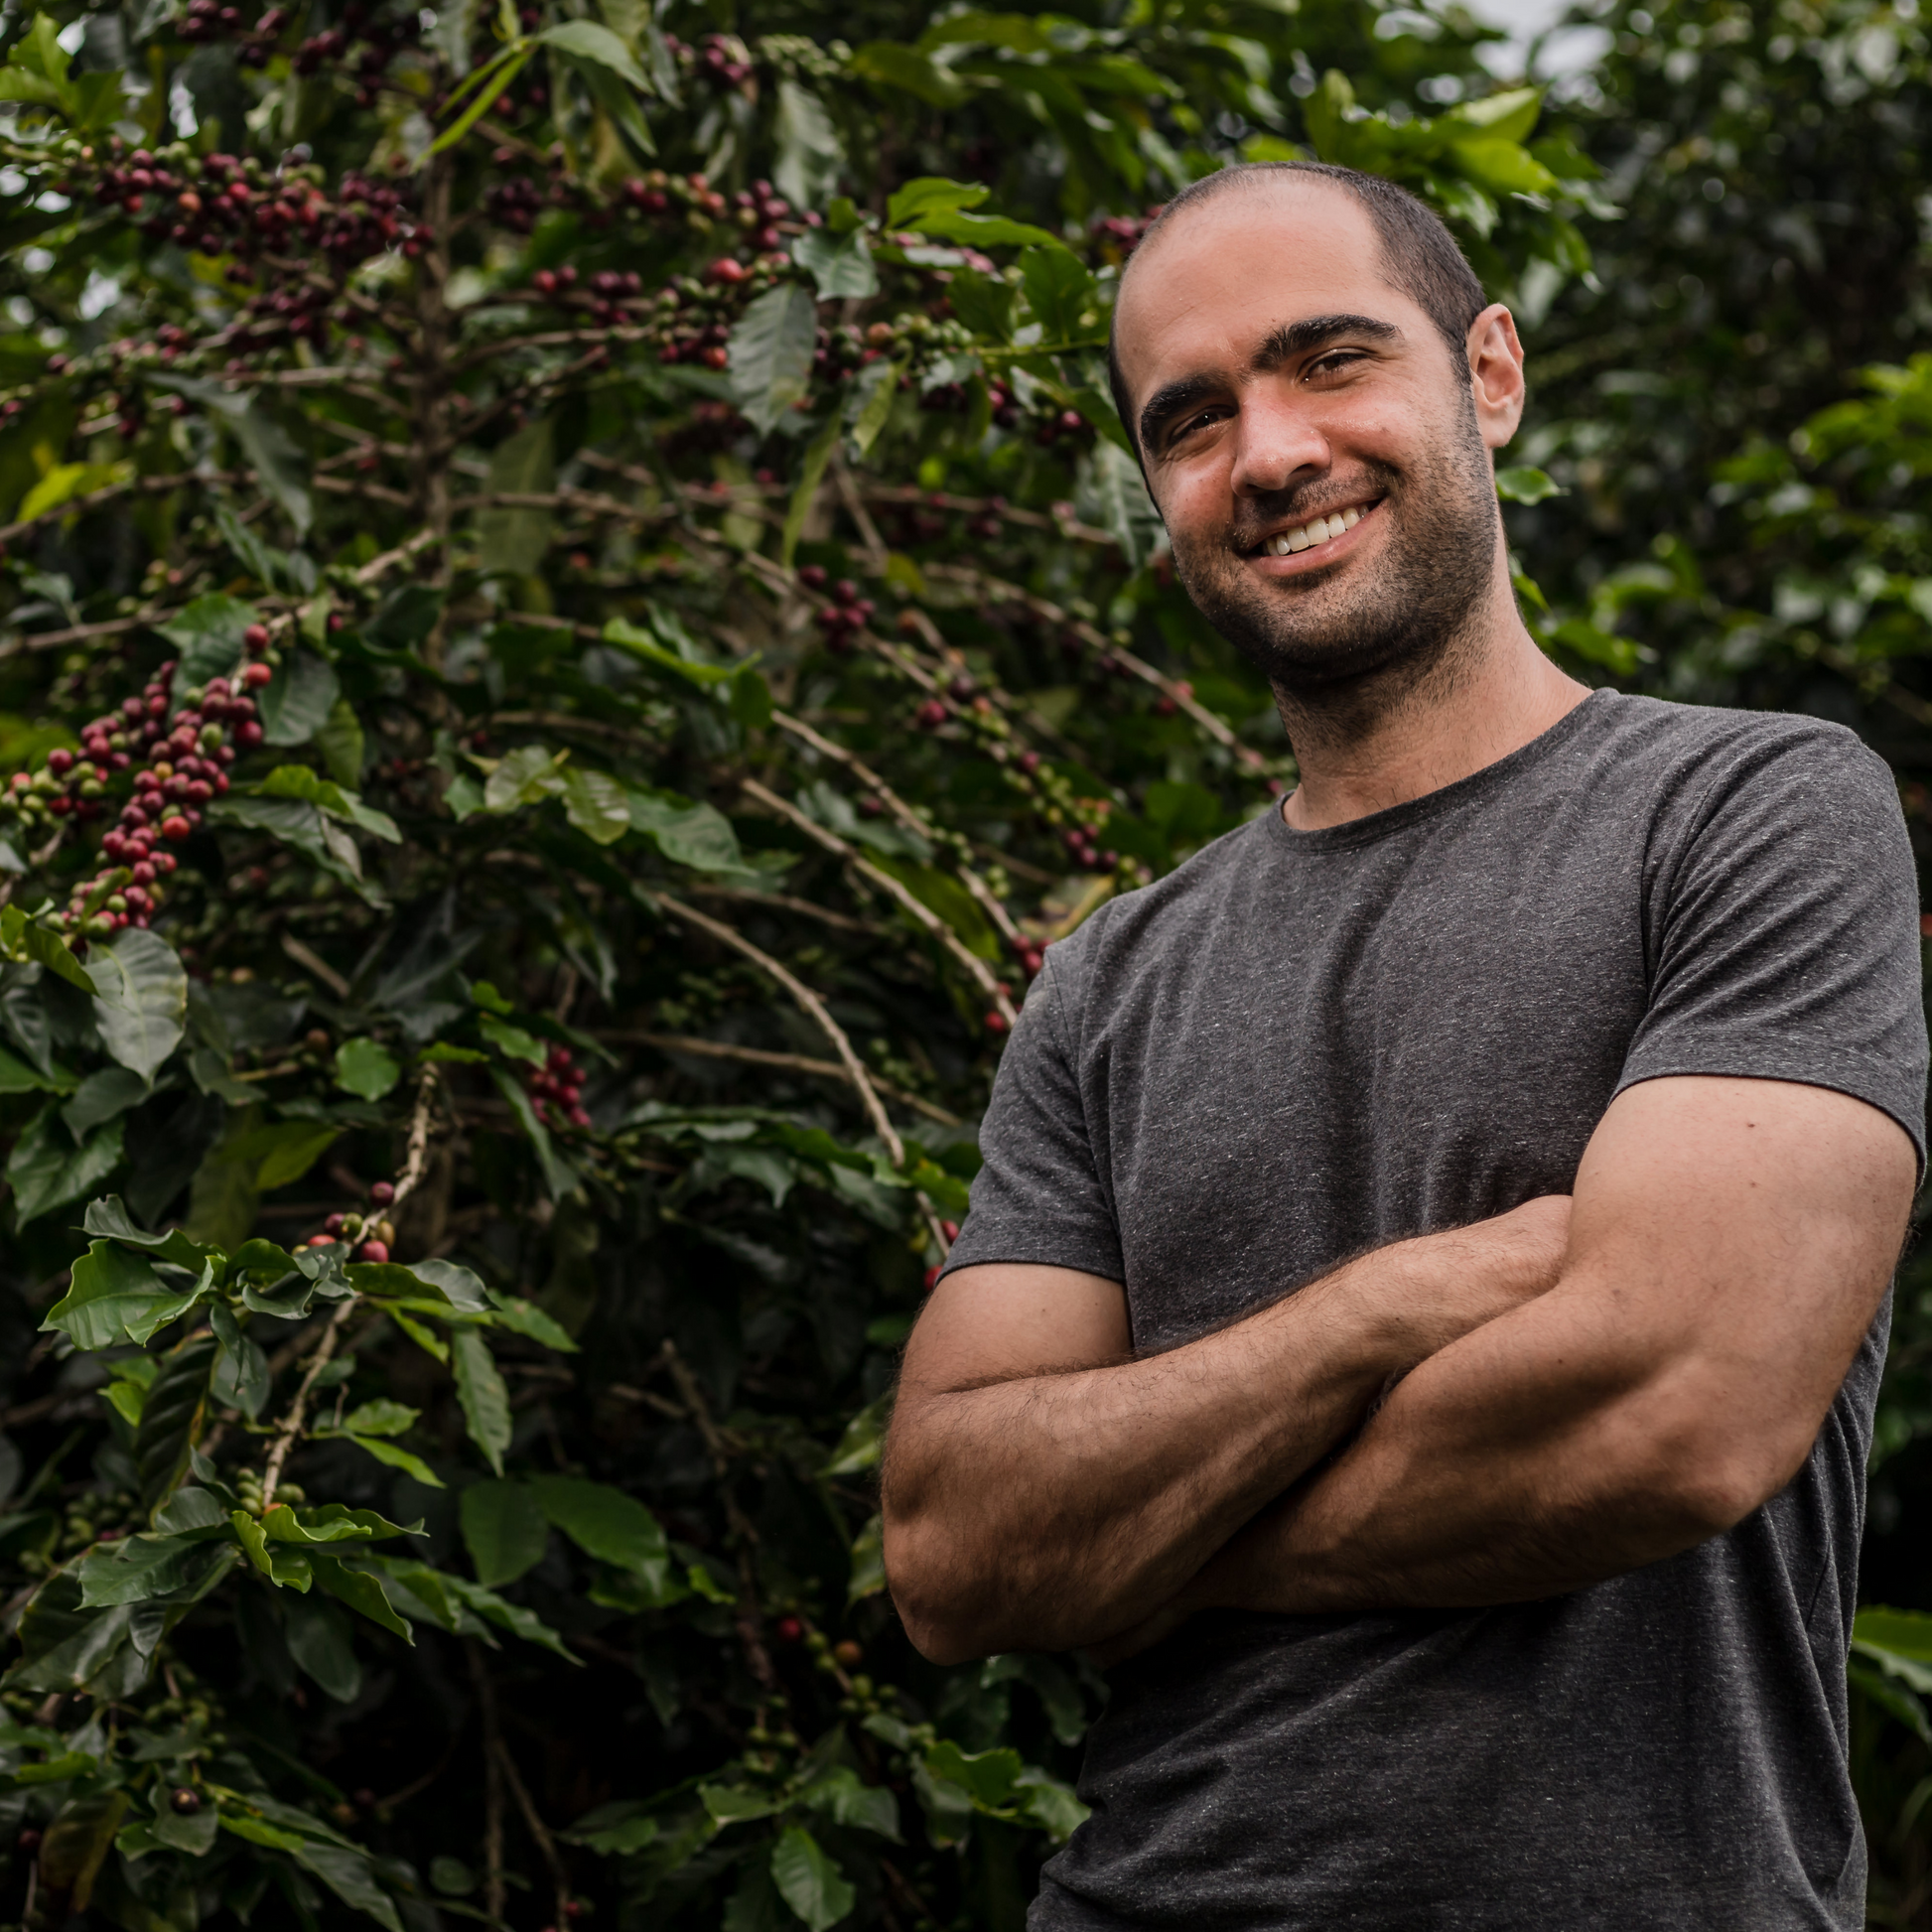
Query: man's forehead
{"x": 1289, "y": 247}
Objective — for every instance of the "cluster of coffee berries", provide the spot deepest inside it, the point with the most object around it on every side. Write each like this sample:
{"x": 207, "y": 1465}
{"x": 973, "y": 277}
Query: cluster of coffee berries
{"x": 1030, "y": 953}
{"x": 558, "y": 1090}
{"x": 1080, "y": 848}
{"x": 248, "y": 1491}
{"x": 371, "y": 1234}
{"x": 725, "y": 59}
{"x": 516, "y": 202}
{"x": 845, "y": 616}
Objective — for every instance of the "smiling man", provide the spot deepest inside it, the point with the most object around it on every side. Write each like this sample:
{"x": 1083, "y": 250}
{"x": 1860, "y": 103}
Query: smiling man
{"x": 1420, "y": 1316}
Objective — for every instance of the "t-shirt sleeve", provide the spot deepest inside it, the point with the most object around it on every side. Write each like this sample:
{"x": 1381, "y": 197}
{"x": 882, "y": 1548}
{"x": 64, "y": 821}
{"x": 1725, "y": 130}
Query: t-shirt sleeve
{"x": 1784, "y": 930}
{"x": 1039, "y": 1196}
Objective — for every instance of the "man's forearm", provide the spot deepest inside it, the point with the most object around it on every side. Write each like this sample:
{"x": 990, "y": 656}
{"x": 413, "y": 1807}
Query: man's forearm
{"x": 1054, "y": 1509}
{"x": 1521, "y": 1462}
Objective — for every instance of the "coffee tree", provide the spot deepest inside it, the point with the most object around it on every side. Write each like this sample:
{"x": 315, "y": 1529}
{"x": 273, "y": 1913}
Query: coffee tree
{"x": 575, "y": 617}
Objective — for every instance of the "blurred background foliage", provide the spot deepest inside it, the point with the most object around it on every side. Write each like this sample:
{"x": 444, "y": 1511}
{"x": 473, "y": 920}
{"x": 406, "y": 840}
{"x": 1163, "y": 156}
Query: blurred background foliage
{"x": 574, "y": 617}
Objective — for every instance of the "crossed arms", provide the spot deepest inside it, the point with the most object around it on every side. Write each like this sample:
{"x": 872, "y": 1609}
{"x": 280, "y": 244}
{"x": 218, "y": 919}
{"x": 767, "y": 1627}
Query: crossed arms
{"x": 1581, "y": 1386}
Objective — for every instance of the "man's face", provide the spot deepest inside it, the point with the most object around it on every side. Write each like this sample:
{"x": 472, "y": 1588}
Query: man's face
{"x": 1280, "y": 383}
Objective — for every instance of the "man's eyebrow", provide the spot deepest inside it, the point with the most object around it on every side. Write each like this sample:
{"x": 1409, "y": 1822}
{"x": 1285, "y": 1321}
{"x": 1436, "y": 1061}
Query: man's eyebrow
{"x": 1283, "y": 345}
{"x": 1174, "y": 399}
{"x": 1294, "y": 339}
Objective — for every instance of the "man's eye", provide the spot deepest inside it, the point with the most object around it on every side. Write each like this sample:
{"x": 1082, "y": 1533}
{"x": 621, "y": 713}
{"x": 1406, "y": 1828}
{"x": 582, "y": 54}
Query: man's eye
{"x": 1199, "y": 420}
{"x": 1334, "y": 363}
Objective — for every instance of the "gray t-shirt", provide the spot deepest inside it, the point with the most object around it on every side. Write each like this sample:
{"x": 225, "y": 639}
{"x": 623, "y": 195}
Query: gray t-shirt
{"x": 1301, "y": 1044}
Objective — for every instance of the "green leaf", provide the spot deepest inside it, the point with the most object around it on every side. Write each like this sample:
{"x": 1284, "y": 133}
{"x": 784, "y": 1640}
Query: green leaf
{"x": 771, "y": 353}
{"x": 931, "y": 194}
{"x": 112, "y": 1292}
{"x": 504, "y": 1530}
{"x": 559, "y": 1176}
{"x": 100, "y": 1096}
{"x": 986, "y": 232}
{"x": 846, "y": 1799}
{"x": 298, "y": 701}
{"x": 362, "y": 1592}
{"x": 173, "y": 1415}
{"x": 494, "y": 75}
{"x": 889, "y": 65}
{"x": 528, "y": 775}
{"x": 585, "y": 39}
{"x": 208, "y": 634}
{"x": 810, "y": 153}
{"x": 458, "y": 1283}
{"x": 285, "y": 1568}
{"x": 526, "y": 1319}
{"x": 810, "y": 471}
{"x": 383, "y": 1416}
{"x": 507, "y": 1616}
{"x": 695, "y": 835}
{"x": 989, "y": 1776}
{"x": 480, "y": 1390}
{"x": 350, "y": 1875}
{"x": 46, "y": 1171}
{"x": 367, "y": 1067}
{"x": 340, "y": 741}
{"x": 141, "y": 1568}
{"x": 595, "y": 803}
{"x": 601, "y": 1521}
{"x": 1060, "y": 290}
{"x": 141, "y": 1006}
{"x": 840, "y": 265}
{"x": 877, "y": 409}
{"x": 809, "y": 1879}
{"x": 513, "y": 540}
{"x": 26, "y": 939}
{"x": 1523, "y": 485}
{"x": 319, "y": 1640}
{"x": 513, "y": 1041}
{"x": 66, "y": 480}
{"x": 76, "y": 1844}
{"x": 397, "y": 1458}
{"x": 331, "y": 1523}
{"x": 1902, "y": 1633}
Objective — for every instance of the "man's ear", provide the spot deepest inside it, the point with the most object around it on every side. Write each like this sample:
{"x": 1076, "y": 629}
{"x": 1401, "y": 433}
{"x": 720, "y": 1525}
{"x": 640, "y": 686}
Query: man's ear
{"x": 1496, "y": 384}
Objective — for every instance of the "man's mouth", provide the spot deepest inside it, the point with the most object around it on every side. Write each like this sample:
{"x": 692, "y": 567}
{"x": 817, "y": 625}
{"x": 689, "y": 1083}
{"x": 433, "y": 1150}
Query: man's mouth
{"x": 1312, "y": 534}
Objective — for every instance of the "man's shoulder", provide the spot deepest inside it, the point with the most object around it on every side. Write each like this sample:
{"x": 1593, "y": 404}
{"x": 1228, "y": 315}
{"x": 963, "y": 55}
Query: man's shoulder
{"x": 1671, "y": 731}
{"x": 1672, "y": 757}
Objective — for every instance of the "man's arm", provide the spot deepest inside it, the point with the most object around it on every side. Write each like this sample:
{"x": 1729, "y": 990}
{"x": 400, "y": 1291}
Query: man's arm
{"x": 1042, "y": 1491}
{"x": 1729, "y": 1243}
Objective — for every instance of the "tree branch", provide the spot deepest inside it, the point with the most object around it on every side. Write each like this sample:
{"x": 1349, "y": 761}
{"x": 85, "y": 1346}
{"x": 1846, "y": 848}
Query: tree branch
{"x": 921, "y": 914}
{"x": 815, "y": 1009}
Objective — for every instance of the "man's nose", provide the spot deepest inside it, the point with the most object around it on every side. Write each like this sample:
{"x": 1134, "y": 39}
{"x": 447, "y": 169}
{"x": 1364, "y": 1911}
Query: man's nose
{"x": 1277, "y": 444}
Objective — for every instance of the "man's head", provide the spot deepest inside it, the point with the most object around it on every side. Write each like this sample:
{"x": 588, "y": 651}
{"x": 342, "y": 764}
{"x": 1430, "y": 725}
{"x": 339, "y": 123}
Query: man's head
{"x": 1293, "y": 343}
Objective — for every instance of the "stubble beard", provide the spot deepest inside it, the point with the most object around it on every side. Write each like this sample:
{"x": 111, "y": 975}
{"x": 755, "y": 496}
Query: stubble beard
{"x": 1340, "y": 661}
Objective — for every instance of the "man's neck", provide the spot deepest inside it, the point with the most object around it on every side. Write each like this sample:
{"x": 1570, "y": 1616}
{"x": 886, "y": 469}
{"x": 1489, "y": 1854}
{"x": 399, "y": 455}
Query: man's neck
{"x": 1366, "y": 751}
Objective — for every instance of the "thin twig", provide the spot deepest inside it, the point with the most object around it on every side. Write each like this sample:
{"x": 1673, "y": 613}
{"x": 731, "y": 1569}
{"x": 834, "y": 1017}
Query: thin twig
{"x": 901, "y": 810}
{"x": 921, "y": 914}
{"x": 533, "y": 1819}
{"x": 815, "y": 1009}
{"x": 312, "y": 962}
{"x": 493, "y": 1739}
{"x": 290, "y": 1426}
{"x": 718, "y": 1050}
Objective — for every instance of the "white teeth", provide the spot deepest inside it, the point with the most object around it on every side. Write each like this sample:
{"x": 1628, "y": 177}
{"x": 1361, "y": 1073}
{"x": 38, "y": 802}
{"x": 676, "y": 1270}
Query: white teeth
{"x": 1318, "y": 529}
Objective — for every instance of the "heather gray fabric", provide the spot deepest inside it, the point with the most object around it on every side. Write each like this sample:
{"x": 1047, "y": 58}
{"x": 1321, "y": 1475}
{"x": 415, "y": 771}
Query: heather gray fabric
{"x": 1302, "y": 1044}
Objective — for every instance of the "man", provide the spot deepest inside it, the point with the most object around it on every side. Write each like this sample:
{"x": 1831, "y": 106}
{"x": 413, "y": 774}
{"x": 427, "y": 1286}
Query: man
{"x": 1421, "y": 1312}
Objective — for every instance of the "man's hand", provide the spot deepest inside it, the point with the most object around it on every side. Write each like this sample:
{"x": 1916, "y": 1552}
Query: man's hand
{"x": 1043, "y": 1489}
{"x": 1730, "y": 1244}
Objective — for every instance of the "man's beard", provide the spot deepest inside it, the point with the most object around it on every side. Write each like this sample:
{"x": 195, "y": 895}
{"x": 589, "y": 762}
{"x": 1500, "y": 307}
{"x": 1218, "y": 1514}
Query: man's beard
{"x": 1367, "y": 649}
